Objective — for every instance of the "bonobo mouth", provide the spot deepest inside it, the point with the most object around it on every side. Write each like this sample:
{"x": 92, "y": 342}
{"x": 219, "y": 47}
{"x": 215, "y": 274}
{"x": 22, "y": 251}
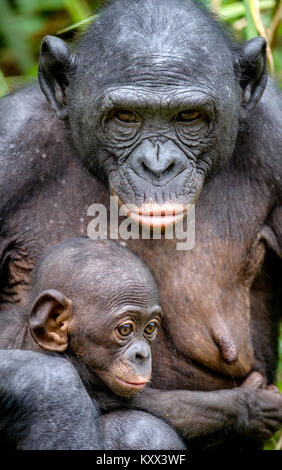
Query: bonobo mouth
{"x": 137, "y": 386}
{"x": 153, "y": 215}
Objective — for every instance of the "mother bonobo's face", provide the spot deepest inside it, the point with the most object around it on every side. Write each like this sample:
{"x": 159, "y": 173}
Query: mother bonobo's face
{"x": 153, "y": 100}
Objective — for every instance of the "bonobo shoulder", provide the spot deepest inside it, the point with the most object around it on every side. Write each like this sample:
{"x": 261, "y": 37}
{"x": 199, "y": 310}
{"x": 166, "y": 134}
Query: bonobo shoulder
{"x": 18, "y": 108}
{"x": 264, "y": 131}
{"x": 29, "y": 365}
{"x": 26, "y": 120}
{"x": 271, "y": 101}
{"x": 31, "y": 139}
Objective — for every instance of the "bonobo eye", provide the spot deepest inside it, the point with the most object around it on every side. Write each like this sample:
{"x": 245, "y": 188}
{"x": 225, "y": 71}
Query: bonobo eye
{"x": 128, "y": 117}
{"x": 125, "y": 329}
{"x": 151, "y": 328}
{"x": 189, "y": 115}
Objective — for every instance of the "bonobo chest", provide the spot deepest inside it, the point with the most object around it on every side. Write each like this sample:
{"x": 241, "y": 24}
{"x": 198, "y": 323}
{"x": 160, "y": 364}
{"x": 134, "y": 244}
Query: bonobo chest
{"x": 200, "y": 345}
{"x": 205, "y": 339}
{"x": 51, "y": 212}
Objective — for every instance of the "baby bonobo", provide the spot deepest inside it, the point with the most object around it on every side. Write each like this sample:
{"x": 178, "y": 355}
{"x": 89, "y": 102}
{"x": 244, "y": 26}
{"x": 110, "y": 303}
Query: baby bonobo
{"x": 97, "y": 304}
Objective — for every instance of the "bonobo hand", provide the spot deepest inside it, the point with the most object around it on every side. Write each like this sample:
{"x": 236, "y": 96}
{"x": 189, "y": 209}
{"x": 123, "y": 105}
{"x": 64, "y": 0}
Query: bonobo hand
{"x": 251, "y": 410}
{"x": 263, "y": 408}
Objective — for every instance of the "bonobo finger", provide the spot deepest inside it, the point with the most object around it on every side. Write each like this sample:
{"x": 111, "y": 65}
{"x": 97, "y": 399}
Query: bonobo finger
{"x": 273, "y": 405}
{"x": 273, "y": 388}
{"x": 273, "y": 425}
{"x": 254, "y": 380}
{"x": 263, "y": 435}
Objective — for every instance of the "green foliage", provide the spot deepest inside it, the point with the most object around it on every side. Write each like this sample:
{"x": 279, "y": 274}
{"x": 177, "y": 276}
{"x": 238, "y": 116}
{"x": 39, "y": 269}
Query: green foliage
{"x": 276, "y": 441}
{"x": 23, "y": 23}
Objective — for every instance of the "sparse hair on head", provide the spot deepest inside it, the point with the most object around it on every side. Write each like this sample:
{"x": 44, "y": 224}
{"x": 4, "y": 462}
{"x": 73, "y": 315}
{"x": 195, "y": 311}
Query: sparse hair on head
{"x": 77, "y": 264}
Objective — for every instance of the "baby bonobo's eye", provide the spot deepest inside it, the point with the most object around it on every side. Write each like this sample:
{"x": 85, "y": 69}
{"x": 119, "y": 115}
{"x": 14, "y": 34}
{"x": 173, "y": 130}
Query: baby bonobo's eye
{"x": 151, "y": 328}
{"x": 125, "y": 329}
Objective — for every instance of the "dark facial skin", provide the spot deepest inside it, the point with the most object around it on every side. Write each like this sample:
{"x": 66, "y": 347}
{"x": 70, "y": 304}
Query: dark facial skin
{"x": 123, "y": 362}
{"x": 161, "y": 129}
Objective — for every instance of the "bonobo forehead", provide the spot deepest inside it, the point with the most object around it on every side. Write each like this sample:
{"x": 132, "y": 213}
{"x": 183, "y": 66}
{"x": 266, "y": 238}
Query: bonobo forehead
{"x": 163, "y": 102}
{"x": 155, "y": 43}
{"x": 126, "y": 297}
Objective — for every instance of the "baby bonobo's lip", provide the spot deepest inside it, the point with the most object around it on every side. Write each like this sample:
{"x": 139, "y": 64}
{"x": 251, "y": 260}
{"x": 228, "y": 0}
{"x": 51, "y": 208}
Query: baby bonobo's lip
{"x": 132, "y": 385}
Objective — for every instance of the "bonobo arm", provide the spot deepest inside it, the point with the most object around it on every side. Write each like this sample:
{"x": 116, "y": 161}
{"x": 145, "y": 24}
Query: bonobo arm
{"x": 246, "y": 410}
{"x": 44, "y": 405}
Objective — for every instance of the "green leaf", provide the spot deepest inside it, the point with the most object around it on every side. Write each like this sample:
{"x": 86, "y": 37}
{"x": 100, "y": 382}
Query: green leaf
{"x": 33, "y": 6}
{"x": 14, "y": 37}
{"x": 234, "y": 10}
{"x": 78, "y": 10}
{"x": 3, "y": 85}
{"x": 77, "y": 25}
{"x": 251, "y": 30}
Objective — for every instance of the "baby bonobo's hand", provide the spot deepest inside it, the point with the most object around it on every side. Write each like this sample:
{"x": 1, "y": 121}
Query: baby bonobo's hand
{"x": 263, "y": 407}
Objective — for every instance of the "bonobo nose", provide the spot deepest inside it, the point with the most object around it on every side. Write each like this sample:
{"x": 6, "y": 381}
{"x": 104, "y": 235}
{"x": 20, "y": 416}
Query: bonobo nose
{"x": 157, "y": 166}
{"x": 139, "y": 354}
{"x": 158, "y": 160}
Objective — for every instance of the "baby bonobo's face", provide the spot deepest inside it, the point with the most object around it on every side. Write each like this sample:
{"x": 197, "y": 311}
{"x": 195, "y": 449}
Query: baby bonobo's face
{"x": 109, "y": 328}
{"x": 113, "y": 328}
{"x": 117, "y": 347}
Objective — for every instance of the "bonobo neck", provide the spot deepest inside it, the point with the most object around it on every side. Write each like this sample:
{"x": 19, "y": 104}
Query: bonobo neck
{"x": 95, "y": 387}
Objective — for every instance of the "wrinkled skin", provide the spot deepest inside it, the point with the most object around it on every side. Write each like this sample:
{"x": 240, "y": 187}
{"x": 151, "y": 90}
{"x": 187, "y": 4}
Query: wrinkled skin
{"x": 161, "y": 120}
{"x": 208, "y": 339}
{"x": 100, "y": 289}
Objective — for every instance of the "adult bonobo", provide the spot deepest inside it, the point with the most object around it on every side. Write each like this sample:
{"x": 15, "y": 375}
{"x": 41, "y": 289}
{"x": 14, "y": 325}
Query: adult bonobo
{"x": 96, "y": 304}
{"x": 154, "y": 115}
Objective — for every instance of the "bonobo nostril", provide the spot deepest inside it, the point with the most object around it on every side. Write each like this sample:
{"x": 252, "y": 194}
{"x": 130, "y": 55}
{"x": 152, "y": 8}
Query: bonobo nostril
{"x": 140, "y": 357}
{"x": 157, "y": 167}
{"x": 138, "y": 353}
{"x": 158, "y": 162}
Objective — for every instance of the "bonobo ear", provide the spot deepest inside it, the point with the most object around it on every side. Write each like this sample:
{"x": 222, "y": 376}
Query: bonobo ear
{"x": 253, "y": 71}
{"x": 268, "y": 235}
{"x": 56, "y": 63}
{"x": 49, "y": 320}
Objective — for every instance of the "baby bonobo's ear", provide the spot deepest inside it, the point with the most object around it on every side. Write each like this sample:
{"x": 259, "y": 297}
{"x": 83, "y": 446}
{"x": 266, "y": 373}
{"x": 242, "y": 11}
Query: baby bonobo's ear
{"x": 49, "y": 320}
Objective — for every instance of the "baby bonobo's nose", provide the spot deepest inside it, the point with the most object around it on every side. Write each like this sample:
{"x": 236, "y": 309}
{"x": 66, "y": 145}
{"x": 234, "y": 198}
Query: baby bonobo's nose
{"x": 139, "y": 355}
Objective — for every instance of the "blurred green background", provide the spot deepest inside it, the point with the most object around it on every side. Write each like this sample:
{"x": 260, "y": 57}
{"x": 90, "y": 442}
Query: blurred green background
{"x": 23, "y": 23}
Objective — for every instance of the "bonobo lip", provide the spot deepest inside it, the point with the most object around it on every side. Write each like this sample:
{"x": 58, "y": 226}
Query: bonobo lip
{"x": 132, "y": 385}
{"x": 153, "y": 215}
